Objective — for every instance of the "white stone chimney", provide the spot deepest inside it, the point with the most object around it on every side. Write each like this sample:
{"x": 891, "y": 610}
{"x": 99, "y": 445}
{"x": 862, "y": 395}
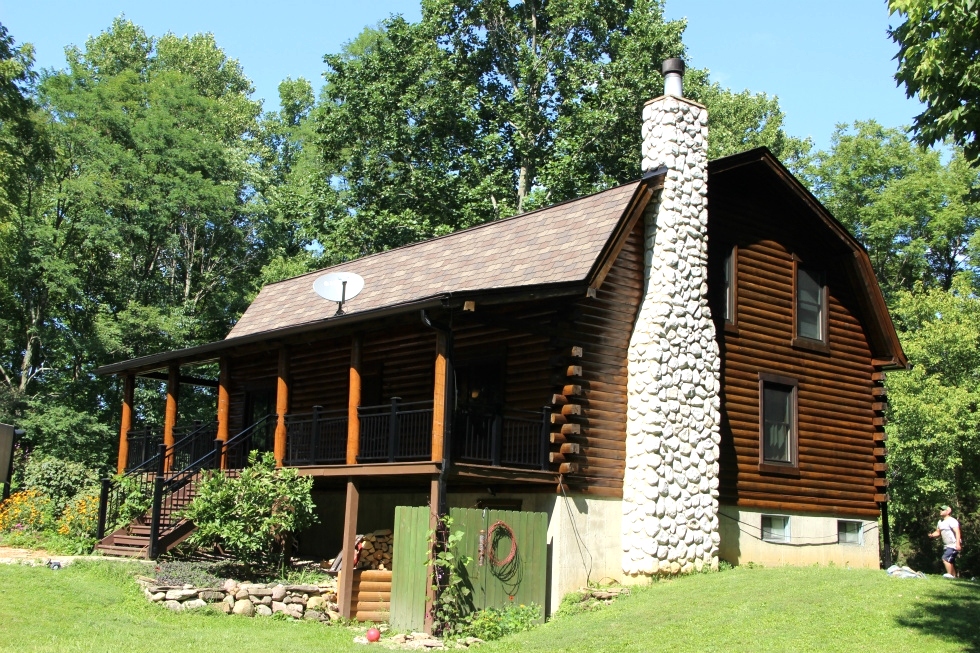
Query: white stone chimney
{"x": 670, "y": 493}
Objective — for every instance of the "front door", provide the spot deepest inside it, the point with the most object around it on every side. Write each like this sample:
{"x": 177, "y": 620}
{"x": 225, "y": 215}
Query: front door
{"x": 261, "y": 403}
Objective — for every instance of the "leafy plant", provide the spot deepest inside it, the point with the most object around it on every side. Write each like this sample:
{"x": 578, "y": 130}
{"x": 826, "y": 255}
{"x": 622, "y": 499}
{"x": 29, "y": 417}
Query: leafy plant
{"x": 60, "y": 480}
{"x": 180, "y": 572}
{"x": 254, "y": 515}
{"x": 494, "y": 623}
{"x": 80, "y": 520}
{"x": 136, "y": 499}
{"x": 454, "y": 596}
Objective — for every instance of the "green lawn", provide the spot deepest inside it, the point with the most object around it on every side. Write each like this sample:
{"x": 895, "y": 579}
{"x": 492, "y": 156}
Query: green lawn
{"x": 88, "y": 607}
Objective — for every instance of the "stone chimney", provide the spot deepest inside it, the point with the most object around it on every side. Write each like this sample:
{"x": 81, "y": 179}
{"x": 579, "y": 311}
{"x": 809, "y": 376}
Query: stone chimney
{"x": 670, "y": 493}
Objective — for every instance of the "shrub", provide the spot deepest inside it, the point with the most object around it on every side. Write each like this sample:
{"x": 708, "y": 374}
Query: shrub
{"x": 59, "y": 479}
{"x": 178, "y": 572}
{"x": 136, "y": 499}
{"x": 254, "y": 515}
{"x": 27, "y": 510}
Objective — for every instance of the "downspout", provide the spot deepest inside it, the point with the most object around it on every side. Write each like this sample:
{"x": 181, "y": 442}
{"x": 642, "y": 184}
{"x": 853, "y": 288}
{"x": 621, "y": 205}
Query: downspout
{"x": 450, "y": 403}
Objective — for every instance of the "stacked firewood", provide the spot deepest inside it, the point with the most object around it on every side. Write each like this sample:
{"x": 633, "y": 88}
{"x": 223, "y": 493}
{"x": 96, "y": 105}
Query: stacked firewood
{"x": 375, "y": 550}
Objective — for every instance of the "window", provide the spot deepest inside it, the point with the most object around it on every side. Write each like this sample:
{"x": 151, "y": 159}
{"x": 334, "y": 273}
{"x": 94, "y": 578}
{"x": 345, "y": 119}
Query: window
{"x": 811, "y": 307}
{"x": 850, "y": 532}
{"x": 777, "y": 423}
{"x": 730, "y": 287}
{"x": 775, "y": 528}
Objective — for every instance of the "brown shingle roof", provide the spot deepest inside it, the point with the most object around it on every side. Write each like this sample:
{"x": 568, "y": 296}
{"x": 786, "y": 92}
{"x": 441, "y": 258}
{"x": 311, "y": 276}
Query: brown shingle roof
{"x": 558, "y": 244}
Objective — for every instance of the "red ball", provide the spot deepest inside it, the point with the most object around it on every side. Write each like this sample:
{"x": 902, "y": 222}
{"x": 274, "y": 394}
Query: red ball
{"x": 373, "y": 634}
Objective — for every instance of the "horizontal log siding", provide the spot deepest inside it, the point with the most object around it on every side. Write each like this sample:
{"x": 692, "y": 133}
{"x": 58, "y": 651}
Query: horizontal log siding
{"x": 836, "y": 433}
{"x": 405, "y": 356}
{"x": 248, "y": 372}
{"x": 319, "y": 375}
{"x": 603, "y": 331}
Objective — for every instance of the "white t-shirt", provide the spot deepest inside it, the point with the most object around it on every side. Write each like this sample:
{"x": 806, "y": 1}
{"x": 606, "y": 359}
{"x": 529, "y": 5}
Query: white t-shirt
{"x": 946, "y": 527}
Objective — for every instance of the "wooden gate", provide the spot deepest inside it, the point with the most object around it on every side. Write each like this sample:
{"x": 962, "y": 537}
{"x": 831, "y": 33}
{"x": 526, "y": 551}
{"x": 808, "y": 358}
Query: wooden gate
{"x": 504, "y": 569}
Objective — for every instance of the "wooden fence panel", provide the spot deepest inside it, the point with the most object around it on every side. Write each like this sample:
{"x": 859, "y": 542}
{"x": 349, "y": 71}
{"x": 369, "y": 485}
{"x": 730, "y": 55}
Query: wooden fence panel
{"x": 409, "y": 578}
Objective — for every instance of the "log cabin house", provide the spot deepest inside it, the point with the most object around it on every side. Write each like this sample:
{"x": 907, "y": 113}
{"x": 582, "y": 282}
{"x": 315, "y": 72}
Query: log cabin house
{"x": 671, "y": 384}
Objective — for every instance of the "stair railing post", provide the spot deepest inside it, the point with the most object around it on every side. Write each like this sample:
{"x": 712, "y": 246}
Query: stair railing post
{"x": 393, "y": 430}
{"x": 545, "y": 433}
{"x": 103, "y": 505}
{"x": 155, "y": 519}
{"x": 315, "y": 434}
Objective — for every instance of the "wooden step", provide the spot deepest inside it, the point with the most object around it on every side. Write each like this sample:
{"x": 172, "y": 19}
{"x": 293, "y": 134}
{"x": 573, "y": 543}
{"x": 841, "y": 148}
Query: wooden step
{"x": 121, "y": 551}
{"x": 131, "y": 540}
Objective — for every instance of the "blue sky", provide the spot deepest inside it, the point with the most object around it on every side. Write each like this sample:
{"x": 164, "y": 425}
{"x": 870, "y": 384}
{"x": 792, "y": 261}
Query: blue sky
{"x": 828, "y": 62}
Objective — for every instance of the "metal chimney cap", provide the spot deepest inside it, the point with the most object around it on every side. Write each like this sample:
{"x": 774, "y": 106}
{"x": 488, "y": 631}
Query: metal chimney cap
{"x": 673, "y": 65}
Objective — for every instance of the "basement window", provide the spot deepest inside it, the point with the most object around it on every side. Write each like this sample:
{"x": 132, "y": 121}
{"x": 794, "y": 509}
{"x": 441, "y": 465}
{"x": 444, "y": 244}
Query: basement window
{"x": 849, "y": 532}
{"x": 775, "y": 528}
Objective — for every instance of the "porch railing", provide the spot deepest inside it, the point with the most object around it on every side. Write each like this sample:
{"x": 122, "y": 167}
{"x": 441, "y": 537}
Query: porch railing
{"x": 396, "y": 431}
{"x": 503, "y": 437}
{"x": 143, "y": 444}
{"x": 316, "y": 438}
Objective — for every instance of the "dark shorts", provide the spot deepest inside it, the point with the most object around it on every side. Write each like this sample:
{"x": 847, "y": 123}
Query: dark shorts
{"x": 949, "y": 554}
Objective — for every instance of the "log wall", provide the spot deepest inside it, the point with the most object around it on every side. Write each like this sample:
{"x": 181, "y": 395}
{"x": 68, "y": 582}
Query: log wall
{"x": 835, "y": 404}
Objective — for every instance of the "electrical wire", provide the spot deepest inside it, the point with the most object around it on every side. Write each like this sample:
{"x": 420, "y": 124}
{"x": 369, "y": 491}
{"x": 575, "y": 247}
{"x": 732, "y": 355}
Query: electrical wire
{"x": 824, "y": 542}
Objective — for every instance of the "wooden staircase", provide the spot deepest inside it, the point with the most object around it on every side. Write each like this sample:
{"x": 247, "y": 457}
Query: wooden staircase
{"x": 133, "y": 540}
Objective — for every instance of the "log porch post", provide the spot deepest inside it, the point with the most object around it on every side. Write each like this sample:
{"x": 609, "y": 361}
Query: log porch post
{"x": 170, "y": 417}
{"x": 439, "y": 400}
{"x": 129, "y": 386}
{"x": 353, "y": 401}
{"x": 224, "y": 385}
{"x": 346, "y": 580}
{"x": 282, "y": 406}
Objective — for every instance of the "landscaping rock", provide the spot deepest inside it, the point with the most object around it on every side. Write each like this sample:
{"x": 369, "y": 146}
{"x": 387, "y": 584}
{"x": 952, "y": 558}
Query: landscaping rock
{"x": 303, "y": 589}
{"x": 230, "y": 586}
{"x": 333, "y": 615}
{"x": 210, "y": 595}
{"x": 176, "y": 606}
{"x": 194, "y": 604}
{"x": 316, "y": 603}
{"x": 278, "y": 606}
{"x": 230, "y": 600}
{"x": 223, "y": 607}
{"x": 259, "y": 591}
{"x": 181, "y": 595}
{"x": 313, "y": 615}
{"x": 244, "y": 607}
{"x": 263, "y": 610}
{"x": 241, "y": 594}
{"x": 159, "y": 596}
{"x": 278, "y": 592}
{"x": 400, "y": 638}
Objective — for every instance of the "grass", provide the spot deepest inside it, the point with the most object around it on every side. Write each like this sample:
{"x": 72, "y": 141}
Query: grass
{"x": 97, "y": 607}
{"x": 773, "y": 609}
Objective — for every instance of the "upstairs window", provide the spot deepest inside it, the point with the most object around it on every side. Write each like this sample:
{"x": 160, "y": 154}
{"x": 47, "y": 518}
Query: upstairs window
{"x": 730, "y": 287}
{"x": 811, "y": 305}
{"x": 778, "y": 442}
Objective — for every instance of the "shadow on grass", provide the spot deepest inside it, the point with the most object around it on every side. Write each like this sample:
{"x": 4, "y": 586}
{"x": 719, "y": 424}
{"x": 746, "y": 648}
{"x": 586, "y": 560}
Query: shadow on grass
{"x": 951, "y": 614}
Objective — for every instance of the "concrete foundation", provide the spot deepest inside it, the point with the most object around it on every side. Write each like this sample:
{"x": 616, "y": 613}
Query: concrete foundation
{"x": 812, "y": 540}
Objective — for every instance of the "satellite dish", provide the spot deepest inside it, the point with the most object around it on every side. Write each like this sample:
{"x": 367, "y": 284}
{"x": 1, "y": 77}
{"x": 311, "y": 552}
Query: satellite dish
{"x": 338, "y": 287}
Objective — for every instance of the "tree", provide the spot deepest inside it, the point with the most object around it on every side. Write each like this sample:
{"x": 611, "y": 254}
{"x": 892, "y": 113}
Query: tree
{"x": 916, "y": 215}
{"x": 939, "y": 62}
{"x": 136, "y": 231}
{"x": 487, "y": 108}
{"x": 934, "y": 422}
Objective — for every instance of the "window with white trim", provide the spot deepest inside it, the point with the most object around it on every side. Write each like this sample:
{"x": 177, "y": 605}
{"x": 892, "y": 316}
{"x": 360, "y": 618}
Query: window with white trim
{"x": 775, "y": 528}
{"x": 850, "y": 532}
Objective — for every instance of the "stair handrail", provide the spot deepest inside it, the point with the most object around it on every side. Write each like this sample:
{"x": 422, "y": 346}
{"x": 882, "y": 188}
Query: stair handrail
{"x": 168, "y": 483}
{"x": 109, "y": 495}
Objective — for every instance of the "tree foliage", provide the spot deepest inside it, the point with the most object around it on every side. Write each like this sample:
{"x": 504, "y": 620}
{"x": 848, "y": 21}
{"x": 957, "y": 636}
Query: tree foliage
{"x": 934, "y": 425}
{"x": 916, "y": 215}
{"x": 939, "y": 62}
{"x": 484, "y": 109}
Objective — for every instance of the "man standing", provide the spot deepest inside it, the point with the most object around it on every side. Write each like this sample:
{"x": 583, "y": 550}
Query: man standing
{"x": 949, "y": 529}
